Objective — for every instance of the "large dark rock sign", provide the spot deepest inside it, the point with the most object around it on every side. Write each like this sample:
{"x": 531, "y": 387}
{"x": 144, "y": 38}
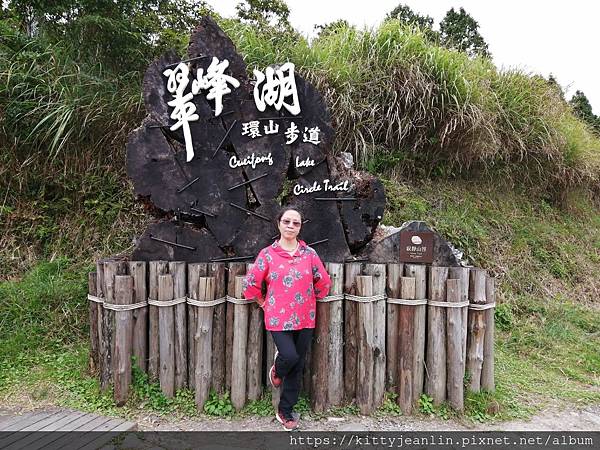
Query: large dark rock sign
{"x": 207, "y": 210}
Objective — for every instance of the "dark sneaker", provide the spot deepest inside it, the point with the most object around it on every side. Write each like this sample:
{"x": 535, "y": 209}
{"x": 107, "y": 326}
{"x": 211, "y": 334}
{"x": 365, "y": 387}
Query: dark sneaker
{"x": 288, "y": 424}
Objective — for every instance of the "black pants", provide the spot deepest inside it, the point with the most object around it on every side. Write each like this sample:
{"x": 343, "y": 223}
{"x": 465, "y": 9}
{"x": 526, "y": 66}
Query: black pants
{"x": 292, "y": 347}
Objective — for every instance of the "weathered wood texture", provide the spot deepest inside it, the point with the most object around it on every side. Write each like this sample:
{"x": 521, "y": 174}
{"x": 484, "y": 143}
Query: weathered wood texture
{"x": 455, "y": 362}
{"x": 394, "y": 275}
{"x": 350, "y": 332}
{"x": 178, "y": 270}
{"x": 138, "y": 271}
{"x": 194, "y": 271}
{"x": 235, "y": 269}
{"x": 320, "y": 359}
{"x": 123, "y": 332}
{"x": 166, "y": 331}
{"x": 435, "y": 383}
{"x": 156, "y": 268}
{"x": 462, "y": 274}
{"x": 476, "y": 334}
{"x": 419, "y": 273}
{"x": 335, "y": 377}
{"x": 378, "y": 274}
{"x": 112, "y": 268}
{"x": 218, "y": 272}
{"x": 203, "y": 337}
{"x": 199, "y": 189}
{"x": 327, "y": 381}
{"x": 239, "y": 362}
{"x": 365, "y": 346}
{"x": 406, "y": 347}
{"x": 102, "y": 342}
{"x": 487, "y": 373}
{"x": 94, "y": 310}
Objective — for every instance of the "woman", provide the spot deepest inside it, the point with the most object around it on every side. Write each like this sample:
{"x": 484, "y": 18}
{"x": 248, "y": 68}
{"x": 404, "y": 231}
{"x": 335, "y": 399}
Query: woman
{"x": 295, "y": 278}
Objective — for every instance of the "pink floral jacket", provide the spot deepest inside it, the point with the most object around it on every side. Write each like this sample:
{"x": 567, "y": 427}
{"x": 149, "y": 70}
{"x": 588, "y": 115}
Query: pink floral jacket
{"x": 293, "y": 285}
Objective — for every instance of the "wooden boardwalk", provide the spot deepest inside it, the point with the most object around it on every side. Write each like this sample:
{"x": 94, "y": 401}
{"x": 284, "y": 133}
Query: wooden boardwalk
{"x": 58, "y": 429}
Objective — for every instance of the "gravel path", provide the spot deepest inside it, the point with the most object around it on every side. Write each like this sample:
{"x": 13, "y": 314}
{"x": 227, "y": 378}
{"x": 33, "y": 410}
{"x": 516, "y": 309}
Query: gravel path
{"x": 585, "y": 419}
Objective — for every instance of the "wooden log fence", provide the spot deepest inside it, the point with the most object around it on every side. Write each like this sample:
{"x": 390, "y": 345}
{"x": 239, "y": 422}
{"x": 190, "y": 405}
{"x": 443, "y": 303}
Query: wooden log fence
{"x": 188, "y": 326}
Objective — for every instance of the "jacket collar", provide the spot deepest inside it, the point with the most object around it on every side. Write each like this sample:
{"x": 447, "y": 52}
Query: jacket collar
{"x": 279, "y": 250}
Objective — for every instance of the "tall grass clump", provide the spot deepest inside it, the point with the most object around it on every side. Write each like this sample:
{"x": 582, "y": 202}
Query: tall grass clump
{"x": 396, "y": 97}
{"x": 63, "y": 126}
{"x": 53, "y": 103}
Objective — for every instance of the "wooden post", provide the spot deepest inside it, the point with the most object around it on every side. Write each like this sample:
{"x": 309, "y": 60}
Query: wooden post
{"x": 166, "y": 331}
{"x": 112, "y": 268}
{"x": 456, "y": 363}
{"x": 350, "y": 332}
{"x": 235, "y": 269}
{"x": 102, "y": 343}
{"x": 204, "y": 321}
{"x": 156, "y": 268}
{"x": 377, "y": 272}
{"x": 93, "y": 307}
{"x": 462, "y": 274}
{"x": 177, "y": 269}
{"x": 239, "y": 349}
{"x": 255, "y": 349}
{"x": 475, "y": 339}
{"x": 320, "y": 359}
{"x": 195, "y": 271}
{"x": 365, "y": 346}
{"x": 217, "y": 271}
{"x": 406, "y": 347}
{"x": 394, "y": 274}
{"x": 335, "y": 377}
{"x": 487, "y": 373}
{"x": 123, "y": 295}
{"x": 138, "y": 271}
{"x": 419, "y": 273}
{"x": 435, "y": 383}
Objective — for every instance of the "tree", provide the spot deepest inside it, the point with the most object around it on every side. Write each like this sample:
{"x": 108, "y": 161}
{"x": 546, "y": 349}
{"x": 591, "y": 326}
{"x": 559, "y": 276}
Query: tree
{"x": 583, "y": 109}
{"x": 265, "y": 13}
{"x": 553, "y": 83}
{"x": 332, "y": 28}
{"x": 119, "y": 34}
{"x": 407, "y": 16}
{"x": 459, "y": 31}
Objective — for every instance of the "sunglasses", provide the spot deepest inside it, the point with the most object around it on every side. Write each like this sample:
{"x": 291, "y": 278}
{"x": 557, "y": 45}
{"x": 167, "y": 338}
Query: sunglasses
{"x": 295, "y": 223}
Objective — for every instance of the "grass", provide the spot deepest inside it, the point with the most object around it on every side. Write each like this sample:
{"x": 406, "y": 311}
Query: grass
{"x": 546, "y": 258}
{"x": 499, "y": 164}
{"x": 396, "y": 98}
{"x": 397, "y": 102}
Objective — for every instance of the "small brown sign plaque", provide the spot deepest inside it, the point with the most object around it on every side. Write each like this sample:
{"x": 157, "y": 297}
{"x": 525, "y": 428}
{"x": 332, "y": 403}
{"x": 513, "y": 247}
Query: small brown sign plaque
{"x": 416, "y": 247}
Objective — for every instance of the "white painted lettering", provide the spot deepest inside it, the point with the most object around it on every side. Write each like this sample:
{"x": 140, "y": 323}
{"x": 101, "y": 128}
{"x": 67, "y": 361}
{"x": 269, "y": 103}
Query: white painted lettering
{"x": 252, "y": 160}
{"x": 304, "y": 163}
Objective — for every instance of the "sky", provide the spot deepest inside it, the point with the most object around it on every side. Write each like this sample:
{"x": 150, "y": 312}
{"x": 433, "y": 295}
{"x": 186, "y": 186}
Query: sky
{"x": 537, "y": 36}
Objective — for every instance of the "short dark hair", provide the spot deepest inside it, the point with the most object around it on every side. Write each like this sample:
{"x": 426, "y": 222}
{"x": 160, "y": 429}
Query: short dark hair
{"x": 285, "y": 209}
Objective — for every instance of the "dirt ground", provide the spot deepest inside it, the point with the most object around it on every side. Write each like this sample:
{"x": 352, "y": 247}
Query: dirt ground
{"x": 570, "y": 419}
{"x": 559, "y": 418}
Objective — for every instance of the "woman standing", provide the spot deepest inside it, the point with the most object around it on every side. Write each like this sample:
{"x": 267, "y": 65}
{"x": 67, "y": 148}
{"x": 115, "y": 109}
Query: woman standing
{"x": 295, "y": 278}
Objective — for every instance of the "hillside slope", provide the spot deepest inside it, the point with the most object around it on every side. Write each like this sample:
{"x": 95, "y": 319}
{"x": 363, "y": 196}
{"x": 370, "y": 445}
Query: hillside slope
{"x": 547, "y": 260}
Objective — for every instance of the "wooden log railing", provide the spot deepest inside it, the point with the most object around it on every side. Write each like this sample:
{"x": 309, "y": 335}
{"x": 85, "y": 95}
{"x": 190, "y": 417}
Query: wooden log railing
{"x": 187, "y": 325}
